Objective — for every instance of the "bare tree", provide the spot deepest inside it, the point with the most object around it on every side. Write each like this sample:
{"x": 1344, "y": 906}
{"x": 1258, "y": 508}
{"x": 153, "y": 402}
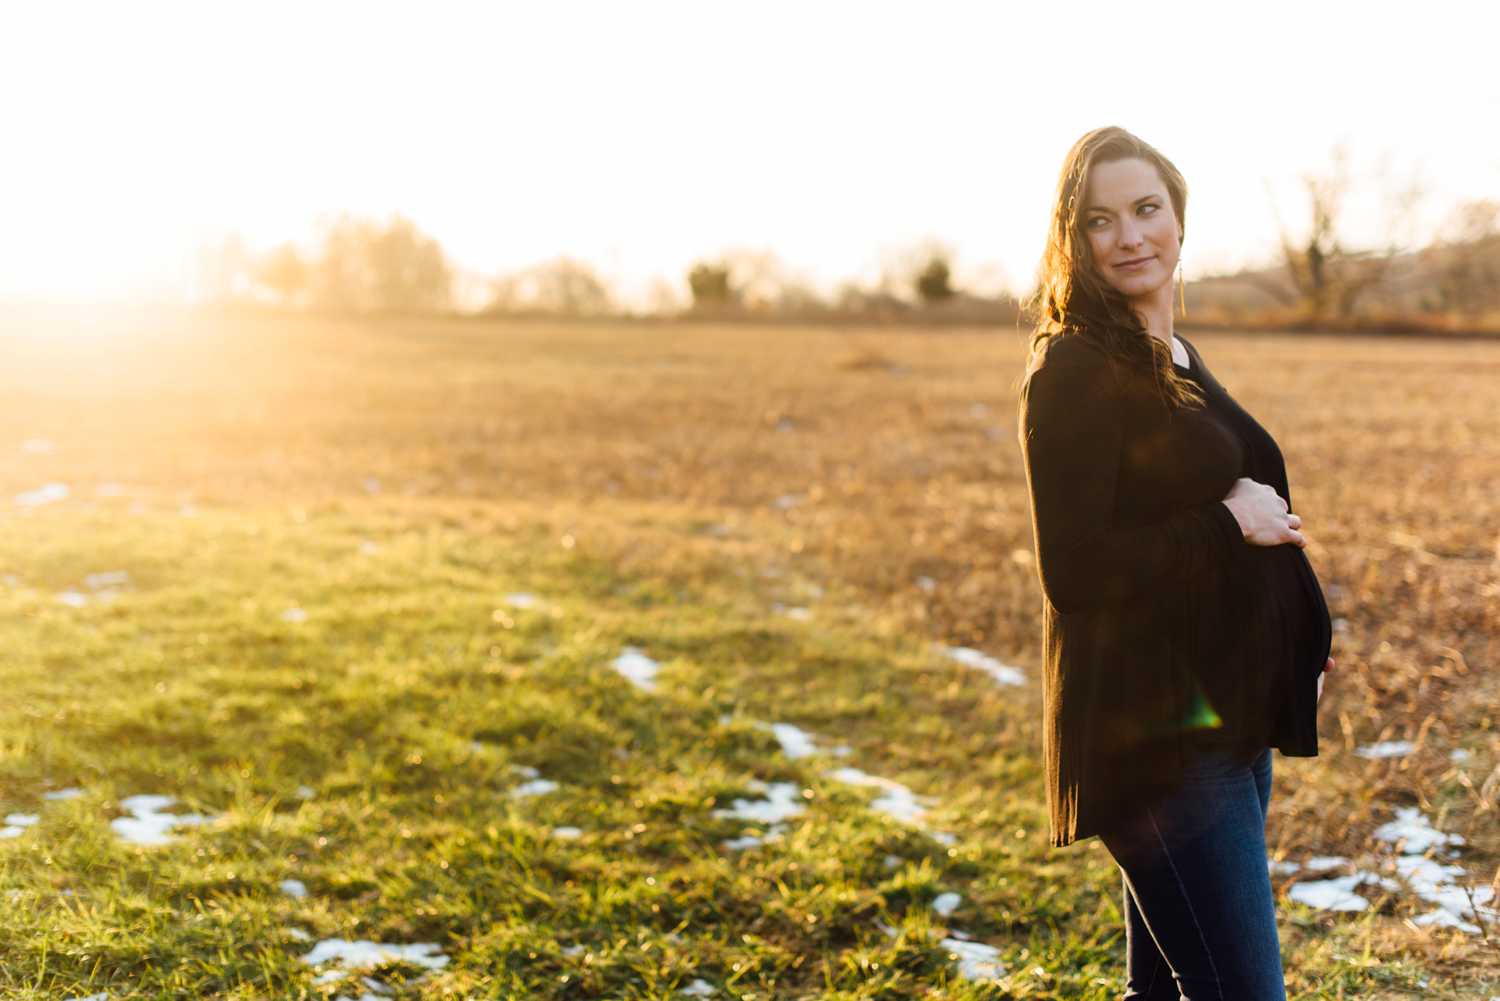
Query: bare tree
{"x": 563, "y": 286}
{"x": 1308, "y": 260}
{"x": 225, "y": 270}
{"x": 1329, "y": 276}
{"x": 1468, "y": 253}
{"x": 411, "y": 273}
{"x": 663, "y": 298}
{"x": 285, "y": 273}
{"x": 367, "y": 267}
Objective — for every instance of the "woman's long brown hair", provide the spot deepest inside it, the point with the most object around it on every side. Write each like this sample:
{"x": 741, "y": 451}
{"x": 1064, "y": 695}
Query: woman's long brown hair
{"x": 1072, "y": 300}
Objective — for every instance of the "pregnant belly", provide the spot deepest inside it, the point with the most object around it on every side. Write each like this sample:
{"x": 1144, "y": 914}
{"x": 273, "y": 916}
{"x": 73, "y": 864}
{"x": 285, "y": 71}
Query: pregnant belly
{"x": 1321, "y": 627}
{"x": 1299, "y": 604}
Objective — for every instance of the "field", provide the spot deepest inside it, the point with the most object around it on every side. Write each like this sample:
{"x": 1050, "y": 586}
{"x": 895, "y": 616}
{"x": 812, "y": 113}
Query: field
{"x": 460, "y": 649}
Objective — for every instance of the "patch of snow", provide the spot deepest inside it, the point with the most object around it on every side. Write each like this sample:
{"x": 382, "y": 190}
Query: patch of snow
{"x": 567, "y": 832}
{"x": 898, "y": 801}
{"x": 637, "y": 668}
{"x": 699, "y": 988}
{"x": 147, "y": 803}
{"x": 773, "y": 833}
{"x": 73, "y": 599}
{"x": 306, "y": 792}
{"x": 522, "y": 599}
{"x": 783, "y": 800}
{"x": 976, "y": 961}
{"x": 72, "y": 792}
{"x": 1438, "y": 884}
{"x": 106, "y": 578}
{"x": 365, "y": 954}
{"x": 49, "y": 493}
{"x": 1459, "y": 755}
{"x": 1002, "y": 673}
{"x": 1285, "y": 868}
{"x": 946, "y": 903}
{"x": 535, "y": 787}
{"x": 572, "y": 950}
{"x": 1445, "y": 918}
{"x": 1322, "y": 863}
{"x": 944, "y": 837}
{"x": 293, "y": 887}
{"x": 1386, "y": 749}
{"x": 1330, "y": 894}
{"x": 16, "y": 824}
{"x": 1413, "y": 833}
{"x": 294, "y": 615}
{"x": 298, "y": 935}
{"x": 526, "y": 770}
{"x": 795, "y": 742}
{"x": 893, "y": 861}
{"x": 147, "y": 824}
{"x": 375, "y": 987}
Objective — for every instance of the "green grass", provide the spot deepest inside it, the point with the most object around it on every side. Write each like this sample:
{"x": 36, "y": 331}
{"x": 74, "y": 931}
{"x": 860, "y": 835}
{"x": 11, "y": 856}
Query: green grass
{"x": 407, "y": 699}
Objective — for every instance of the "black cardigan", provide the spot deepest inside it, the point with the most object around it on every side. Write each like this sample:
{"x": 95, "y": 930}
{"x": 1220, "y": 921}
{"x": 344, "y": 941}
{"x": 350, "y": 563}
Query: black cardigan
{"x": 1163, "y": 630}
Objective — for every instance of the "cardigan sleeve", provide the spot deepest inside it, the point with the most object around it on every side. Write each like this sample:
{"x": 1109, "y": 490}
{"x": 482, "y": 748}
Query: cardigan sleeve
{"x": 1072, "y": 436}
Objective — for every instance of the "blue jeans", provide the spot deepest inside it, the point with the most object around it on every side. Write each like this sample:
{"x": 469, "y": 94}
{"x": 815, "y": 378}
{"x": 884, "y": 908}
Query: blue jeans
{"x": 1200, "y": 919}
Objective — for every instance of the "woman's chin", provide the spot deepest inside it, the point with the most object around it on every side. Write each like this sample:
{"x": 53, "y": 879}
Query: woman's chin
{"x": 1143, "y": 287}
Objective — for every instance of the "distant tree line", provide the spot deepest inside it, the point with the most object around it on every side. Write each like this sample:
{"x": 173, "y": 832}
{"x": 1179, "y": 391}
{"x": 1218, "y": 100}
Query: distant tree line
{"x": 363, "y": 266}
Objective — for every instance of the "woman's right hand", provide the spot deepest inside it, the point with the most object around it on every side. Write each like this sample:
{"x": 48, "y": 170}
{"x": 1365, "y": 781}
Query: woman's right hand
{"x": 1264, "y": 517}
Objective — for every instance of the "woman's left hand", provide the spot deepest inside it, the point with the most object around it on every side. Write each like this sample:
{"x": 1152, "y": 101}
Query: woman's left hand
{"x": 1326, "y": 668}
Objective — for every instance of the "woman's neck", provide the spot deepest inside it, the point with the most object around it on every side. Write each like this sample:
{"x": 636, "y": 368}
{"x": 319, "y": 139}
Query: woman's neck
{"x": 1155, "y": 312}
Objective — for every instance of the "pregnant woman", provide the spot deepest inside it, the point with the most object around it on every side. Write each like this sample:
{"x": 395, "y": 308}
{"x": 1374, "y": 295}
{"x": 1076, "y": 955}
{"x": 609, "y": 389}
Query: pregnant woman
{"x": 1184, "y": 631}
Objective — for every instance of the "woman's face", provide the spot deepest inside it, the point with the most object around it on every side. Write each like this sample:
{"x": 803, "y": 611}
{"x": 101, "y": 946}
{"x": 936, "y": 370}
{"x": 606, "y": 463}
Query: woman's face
{"x": 1128, "y": 218}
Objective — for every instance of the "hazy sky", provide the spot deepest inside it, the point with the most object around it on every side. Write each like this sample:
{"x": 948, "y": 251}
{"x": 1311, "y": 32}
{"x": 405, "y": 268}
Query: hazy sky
{"x": 641, "y": 135}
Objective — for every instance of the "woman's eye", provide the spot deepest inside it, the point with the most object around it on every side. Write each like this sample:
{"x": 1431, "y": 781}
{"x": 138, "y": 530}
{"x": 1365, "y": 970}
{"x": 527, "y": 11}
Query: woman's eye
{"x": 1150, "y": 206}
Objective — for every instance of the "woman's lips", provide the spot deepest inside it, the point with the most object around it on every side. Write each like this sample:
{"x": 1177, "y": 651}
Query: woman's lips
{"x": 1135, "y": 264}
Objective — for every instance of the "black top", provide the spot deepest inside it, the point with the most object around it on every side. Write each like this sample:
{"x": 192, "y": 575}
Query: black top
{"x": 1163, "y": 629}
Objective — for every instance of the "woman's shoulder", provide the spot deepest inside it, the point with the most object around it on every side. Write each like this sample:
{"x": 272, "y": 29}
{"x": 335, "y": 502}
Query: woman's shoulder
{"x": 1068, "y": 355}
